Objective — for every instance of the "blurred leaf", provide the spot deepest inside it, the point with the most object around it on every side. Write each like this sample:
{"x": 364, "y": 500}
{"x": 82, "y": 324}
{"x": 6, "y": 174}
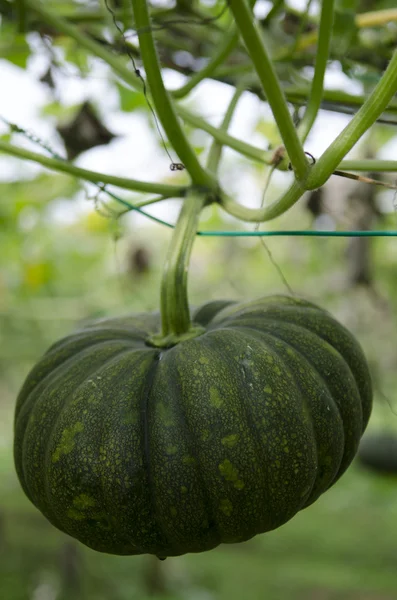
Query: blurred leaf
{"x": 269, "y": 131}
{"x": 39, "y": 192}
{"x": 13, "y": 46}
{"x": 345, "y": 30}
{"x": 347, "y": 5}
{"x": 75, "y": 54}
{"x": 6, "y": 137}
{"x": 381, "y": 135}
{"x": 130, "y": 100}
{"x": 56, "y": 109}
{"x": 37, "y": 274}
{"x": 94, "y": 222}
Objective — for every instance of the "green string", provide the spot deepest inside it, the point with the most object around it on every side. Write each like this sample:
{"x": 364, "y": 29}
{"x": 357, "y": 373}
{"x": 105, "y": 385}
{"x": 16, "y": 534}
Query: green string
{"x": 294, "y": 233}
{"x": 283, "y": 233}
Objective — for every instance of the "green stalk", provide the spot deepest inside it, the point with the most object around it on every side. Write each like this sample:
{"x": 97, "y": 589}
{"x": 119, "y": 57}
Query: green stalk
{"x": 175, "y": 314}
{"x": 215, "y": 153}
{"x": 127, "y": 13}
{"x": 334, "y": 96}
{"x": 369, "y": 164}
{"x": 360, "y": 123}
{"x": 163, "y": 101}
{"x": 226, "y": 139}
{"x": 267, "y": 213}
{"x": 322, "y": 55}
{"x": 226, "y": 48}
{"x": 173, "y": 191}
{"x": 252, "y": 37}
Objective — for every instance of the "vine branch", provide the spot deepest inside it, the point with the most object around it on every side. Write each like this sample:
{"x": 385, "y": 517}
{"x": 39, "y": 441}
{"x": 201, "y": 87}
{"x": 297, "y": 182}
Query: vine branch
{"x": 171, "y": 191}
{"x": 360, "y": 123}
{"x": 322, "y": 54}
{"x": 163, "y": 101}
{"x": 252, "y": 37}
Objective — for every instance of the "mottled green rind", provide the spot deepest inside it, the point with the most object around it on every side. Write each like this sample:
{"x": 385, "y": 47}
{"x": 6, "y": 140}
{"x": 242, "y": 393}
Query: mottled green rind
{"x": 132, "y": 449}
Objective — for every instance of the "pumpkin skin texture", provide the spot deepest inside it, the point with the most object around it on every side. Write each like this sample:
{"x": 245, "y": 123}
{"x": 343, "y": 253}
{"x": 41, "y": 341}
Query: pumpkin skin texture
{"x": 133, "y": 449}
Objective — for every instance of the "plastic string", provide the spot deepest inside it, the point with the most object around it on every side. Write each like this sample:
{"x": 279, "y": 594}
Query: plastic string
{"x": 278, "y": 233}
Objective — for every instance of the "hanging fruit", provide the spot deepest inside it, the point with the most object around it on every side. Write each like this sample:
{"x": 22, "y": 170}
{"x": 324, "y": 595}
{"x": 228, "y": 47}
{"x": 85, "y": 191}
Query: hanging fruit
{"x": 174, "y": 432}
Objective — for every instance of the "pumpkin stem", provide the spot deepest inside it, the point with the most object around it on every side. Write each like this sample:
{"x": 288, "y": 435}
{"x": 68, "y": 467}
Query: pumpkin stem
{"x": 175, "y": 313}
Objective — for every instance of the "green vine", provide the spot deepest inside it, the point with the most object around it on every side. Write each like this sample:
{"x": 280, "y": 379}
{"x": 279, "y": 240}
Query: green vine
{"x": 253, "y": 40}
{"x": 170, "y": 191}
{"x": 323, "y": 47}
{"x": 360, "y": 123}
{"x": 163, "y": 101}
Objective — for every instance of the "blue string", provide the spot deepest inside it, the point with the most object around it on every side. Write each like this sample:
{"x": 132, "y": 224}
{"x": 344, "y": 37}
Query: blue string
{"x": 283, "y": 233}
{"x": 294, "y": 233}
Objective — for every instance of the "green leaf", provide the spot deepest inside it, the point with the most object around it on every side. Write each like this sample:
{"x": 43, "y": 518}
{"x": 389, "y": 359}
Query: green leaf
{"x": 14, "y": 47}
{"x": 345, "y": 30}
{"x": 269, "y": 131}
{"x": 60, "y": 111}
{"x": 130, "y": 100}
{"x": 347, "y": 5}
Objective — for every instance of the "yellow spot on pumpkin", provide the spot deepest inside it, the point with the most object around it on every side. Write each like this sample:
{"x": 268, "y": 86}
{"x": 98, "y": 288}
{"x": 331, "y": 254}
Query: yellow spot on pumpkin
{"x": 215, "y": 398}
{"x": 170, "y": 450}
{"x": 183, "y": 489}
{"x": 83, "y": 501}
{"x": 205, "y": 434}
{"x": 75, "y": 514}
{"x": 226, "y": 506}
{"x": 268, "y": 389}
{"x": 67, "y": 442}
{"x": 189, "y": 460}
{"x": 230, "y": 473}
{"x": 130, "y": 419}
{"x": 230, "y": 440}
{"x": 203, "y": 360}
{"x": 165, "y": 414}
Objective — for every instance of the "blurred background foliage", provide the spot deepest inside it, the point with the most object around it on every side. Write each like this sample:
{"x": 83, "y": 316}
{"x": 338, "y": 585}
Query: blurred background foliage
{"x": 67, "y": 256}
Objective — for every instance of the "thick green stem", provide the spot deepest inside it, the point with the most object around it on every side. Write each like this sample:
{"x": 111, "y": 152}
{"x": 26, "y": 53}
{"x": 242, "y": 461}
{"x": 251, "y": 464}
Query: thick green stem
{"x": 338, "y": 97}
{"x": 55, "y": 164}
{"x": 163, "y": 101}
{"x": 360, "y": 123}
{"x": 369, "y": 164}
{"x": 322, "y": 54}
{"x": 267, "y": 213}
{"x": 175, "y": 313}
{"x": 252, "y": 37}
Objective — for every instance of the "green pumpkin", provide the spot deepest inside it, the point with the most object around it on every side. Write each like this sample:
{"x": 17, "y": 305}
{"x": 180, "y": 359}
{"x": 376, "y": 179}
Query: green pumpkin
{"x": 378, "y": 453}
{"x": 133, "y": 449}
